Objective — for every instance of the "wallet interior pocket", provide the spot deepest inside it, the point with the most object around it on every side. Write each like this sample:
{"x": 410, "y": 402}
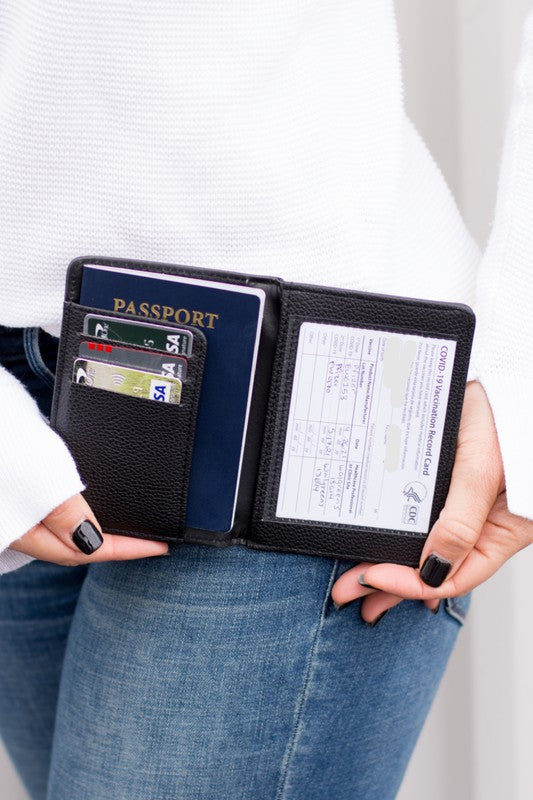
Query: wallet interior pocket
{"x": 133, "y": 454}
{"x": 272, "y": 527}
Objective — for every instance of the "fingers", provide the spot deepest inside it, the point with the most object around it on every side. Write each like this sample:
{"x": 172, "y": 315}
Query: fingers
{"x": 459, "y": 535}
{"x": 475, "y": 484}
{"x": 401, "y": 581}
{"x": 41, "y": 543}
{"x": 71, "y": 535}
{"x": 375, "y": 606}
{"x": 347, "y": 588}
{"x": 125, "y": 548}
{"x": 375, "y": 603}
{"x": 74, "y": 523}
{"x": 502, "y": 535}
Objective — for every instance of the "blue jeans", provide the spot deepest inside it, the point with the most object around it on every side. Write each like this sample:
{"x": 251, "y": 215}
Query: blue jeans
{"x": 207, "y": 675}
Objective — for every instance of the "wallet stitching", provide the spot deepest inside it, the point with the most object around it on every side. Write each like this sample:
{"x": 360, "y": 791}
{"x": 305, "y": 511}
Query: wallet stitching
{"x": 338, "y": 553}
{"x": 345, "y": 295}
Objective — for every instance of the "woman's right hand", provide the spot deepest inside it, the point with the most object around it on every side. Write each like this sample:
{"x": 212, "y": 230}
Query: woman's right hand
{"x": 52, "y": 538}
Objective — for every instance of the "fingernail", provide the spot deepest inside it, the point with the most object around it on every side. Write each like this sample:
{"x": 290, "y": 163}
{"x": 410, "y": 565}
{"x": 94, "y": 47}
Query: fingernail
{"x": 436, "y": 609}
{"x": 339, "y": 606}
{"x": 378, "y": 618}
{"x": 361, "y": 582}
{"x": 434, "y": 570}
{"x": 87, "y": 537}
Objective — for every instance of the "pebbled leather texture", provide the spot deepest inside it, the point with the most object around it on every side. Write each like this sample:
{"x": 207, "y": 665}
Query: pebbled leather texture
{"x": 134, "y": 455}
{"x": 267, "y": 346}
{"x": 407, "y": 315}
{"x": 136, "y": 458}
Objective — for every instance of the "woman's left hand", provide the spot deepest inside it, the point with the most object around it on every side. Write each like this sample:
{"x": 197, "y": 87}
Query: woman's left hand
{"x": 473, "y": 536}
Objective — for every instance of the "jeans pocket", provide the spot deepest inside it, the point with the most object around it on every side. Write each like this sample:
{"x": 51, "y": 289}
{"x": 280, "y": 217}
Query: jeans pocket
{"x": 34, "y": 356}
{"x": 457, "y": 607}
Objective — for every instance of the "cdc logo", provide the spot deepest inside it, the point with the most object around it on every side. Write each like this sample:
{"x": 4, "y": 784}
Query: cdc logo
{"x": 415, "y": 491}
{"x": 410, "y": 514}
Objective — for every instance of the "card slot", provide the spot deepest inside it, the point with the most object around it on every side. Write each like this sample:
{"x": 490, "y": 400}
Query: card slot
{"x": 187, "y": 382}
{"x": 128, "y": 400}
{"x": 71, "y": 335}
{"x": 74, "y": 315}
{"x": 93, "y": 338}
{"x": 134, "y": 456}
{"x": 133, "y": 397}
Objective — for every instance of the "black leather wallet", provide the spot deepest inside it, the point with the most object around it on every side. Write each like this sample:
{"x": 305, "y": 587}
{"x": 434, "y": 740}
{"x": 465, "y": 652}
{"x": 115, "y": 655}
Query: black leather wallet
{"x": 135, "y": 456}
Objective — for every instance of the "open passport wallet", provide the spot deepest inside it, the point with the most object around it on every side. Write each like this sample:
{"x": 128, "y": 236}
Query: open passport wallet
{"x": 224, "y": 408}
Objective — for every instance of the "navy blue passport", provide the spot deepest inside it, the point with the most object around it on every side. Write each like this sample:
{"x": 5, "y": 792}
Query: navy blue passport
{"x": 230, "y": 317}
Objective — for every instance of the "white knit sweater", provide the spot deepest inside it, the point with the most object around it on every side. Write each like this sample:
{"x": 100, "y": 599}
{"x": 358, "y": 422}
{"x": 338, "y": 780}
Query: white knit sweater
{"x": 266, "y": 137}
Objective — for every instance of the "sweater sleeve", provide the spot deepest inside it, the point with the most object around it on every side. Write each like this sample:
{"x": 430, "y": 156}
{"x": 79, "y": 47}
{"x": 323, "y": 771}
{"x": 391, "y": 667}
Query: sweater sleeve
{"x": 37, "y": 471}
{"x": 503, "y": 345}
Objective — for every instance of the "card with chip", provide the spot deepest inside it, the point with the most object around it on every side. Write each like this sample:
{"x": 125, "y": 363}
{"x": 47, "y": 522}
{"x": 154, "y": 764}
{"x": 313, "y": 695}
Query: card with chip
{"x": 123, "y": 380}
{"x": 150, "y": 361}
{"x": 154, "y": 337}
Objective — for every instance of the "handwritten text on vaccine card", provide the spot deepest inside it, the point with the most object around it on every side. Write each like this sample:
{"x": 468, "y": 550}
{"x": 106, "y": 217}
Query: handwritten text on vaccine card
{"x": 365, "y": 427}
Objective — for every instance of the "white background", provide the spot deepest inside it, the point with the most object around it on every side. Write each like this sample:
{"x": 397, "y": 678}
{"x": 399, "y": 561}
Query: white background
{"x": 458, "y": 59}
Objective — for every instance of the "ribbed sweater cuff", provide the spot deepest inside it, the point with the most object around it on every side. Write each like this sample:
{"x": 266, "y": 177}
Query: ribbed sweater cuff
{"x": 37, "y": 471}
{"x": 12, "y": 559}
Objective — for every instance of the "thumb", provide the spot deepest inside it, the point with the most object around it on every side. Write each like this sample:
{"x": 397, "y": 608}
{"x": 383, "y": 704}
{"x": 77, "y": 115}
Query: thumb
{"x": 473, "y": 491}
{"x": 75, "y": 524}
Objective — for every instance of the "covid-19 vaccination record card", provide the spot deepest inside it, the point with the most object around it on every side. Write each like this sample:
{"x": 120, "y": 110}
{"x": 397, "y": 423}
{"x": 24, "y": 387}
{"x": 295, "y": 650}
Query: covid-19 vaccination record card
{"x": 365, "y": 427}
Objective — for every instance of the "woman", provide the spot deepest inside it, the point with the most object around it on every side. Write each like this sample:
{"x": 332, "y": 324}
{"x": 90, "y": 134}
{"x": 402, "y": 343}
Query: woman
{"x": 259, "y": 138}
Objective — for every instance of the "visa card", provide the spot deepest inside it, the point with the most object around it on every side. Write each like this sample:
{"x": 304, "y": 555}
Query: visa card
{"x": 123, "y": 380}
{"x": 172, "y": 366}
{"x": 155, "y": 337}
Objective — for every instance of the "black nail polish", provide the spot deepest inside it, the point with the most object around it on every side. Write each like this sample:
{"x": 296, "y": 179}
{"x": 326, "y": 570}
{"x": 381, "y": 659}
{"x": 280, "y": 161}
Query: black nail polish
{"x": 437, "y": 607}
{"x": 362, "y": 583}
{"x": 340, "y": 606}
{"x": 87, "y": 538}
{"x": 435, "y": 570}
{"x": 378, "y": 618}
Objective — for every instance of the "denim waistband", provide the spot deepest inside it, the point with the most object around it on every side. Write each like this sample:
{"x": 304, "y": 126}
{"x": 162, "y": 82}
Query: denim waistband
{"x": 31, "y": 345}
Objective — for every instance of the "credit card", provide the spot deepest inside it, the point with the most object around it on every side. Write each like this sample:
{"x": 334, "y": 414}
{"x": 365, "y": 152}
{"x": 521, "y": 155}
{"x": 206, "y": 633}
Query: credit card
{"x": 171, "y": 366}
{"x": 155, "y": 337}
{"x": 124, "y": 380}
